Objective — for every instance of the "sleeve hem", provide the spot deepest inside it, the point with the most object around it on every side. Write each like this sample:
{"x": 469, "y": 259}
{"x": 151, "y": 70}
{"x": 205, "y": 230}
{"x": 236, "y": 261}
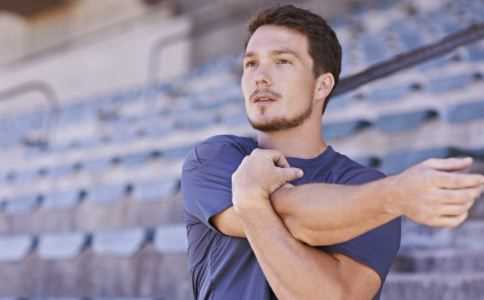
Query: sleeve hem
{"x": 359, "y": 258}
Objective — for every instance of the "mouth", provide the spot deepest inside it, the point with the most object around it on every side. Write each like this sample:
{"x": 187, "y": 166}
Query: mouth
{"x": 264, "y": 99}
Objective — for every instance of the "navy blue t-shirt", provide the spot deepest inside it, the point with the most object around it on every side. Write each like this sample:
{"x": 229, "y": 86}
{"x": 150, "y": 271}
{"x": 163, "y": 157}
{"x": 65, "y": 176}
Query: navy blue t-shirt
{"x": 225, "y": 267}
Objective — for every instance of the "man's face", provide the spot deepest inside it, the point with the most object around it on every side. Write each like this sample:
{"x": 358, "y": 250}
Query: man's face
{"x": 277, "y": 81}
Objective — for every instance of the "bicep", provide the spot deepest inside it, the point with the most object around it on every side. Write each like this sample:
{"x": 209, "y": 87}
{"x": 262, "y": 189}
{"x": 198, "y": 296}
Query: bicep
{"x": 360, "y": 281}
{"x": 228, "y": 223}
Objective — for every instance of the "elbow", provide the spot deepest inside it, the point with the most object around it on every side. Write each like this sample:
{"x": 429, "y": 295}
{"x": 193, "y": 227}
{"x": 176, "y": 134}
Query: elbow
{"x": 310, "y": 237}
{"x": 299, "y": 232}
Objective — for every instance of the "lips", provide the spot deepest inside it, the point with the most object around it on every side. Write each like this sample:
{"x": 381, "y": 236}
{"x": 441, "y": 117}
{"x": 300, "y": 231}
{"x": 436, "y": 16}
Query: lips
{"x": 263, "y": 100}
{"x": 264, "y": 97}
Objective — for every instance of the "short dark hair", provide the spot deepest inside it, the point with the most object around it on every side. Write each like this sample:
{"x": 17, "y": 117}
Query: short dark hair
{"x": 324, "y": 47}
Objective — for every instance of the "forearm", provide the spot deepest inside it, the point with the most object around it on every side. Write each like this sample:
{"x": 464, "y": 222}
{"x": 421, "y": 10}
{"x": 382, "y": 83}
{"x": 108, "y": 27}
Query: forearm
{"x": 287, "y": 263}
{"x": 323, "y": 214}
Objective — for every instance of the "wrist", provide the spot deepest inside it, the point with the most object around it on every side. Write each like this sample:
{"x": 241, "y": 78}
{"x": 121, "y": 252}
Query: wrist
{"x": 245, "y": 203}
{"x": 392, "y": 195}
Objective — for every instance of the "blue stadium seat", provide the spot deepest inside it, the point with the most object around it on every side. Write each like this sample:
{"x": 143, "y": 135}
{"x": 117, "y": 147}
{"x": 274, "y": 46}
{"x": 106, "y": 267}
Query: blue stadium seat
{"x": 155, "y": 189}
{"x": 368, "y": 161}
{"x": 23, "y": 204}
{"x": 476, "y": 153}
{"x": 197, "y": 120}
{"x": 15, "y": 248}
{"x": 62, "y": 245}
{"x": 61, "y": 171}
{"x": 392, "y": 93}
{"x": 374, "y": 48}
{"x": 95, "y": 166}
{"x": 106, "y": 193}
{"x": 466, "y": 112}
{"x": 448, "y": 83}
{"x": 119, "y": 242}
{"x": 398, "y": 122}
{"x": 62, "y": 199}
{"x": 134, "y": 159}
{"x": 237, "y": 119}
{"x": 171, "y": 239}
{"x": 344, "y": 129}
{"x": 408, "y": 35}
{"x": 398, "y": 161}
{"x": 340, "y": 102}
{"x": 475, "y": 53}
{"x": 22, "y": 177}
{"x": 179, "y": 152}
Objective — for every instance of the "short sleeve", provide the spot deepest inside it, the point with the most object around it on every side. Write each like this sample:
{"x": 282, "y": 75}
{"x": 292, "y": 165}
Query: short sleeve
{"x": 206, "y": 181}
{"x": 377, "y": 248}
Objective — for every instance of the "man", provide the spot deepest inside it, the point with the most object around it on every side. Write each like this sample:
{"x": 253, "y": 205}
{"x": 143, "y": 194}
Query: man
{"x": 284, "y": 215}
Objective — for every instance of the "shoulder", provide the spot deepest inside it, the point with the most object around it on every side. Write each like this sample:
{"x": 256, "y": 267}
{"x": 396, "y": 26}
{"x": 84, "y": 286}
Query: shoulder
{"x": 347, "y": 171}
{"x": 219, "y": 148}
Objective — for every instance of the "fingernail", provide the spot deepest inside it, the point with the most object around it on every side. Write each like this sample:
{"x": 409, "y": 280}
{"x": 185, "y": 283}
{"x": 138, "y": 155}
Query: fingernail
{"x": 300, "y": 173}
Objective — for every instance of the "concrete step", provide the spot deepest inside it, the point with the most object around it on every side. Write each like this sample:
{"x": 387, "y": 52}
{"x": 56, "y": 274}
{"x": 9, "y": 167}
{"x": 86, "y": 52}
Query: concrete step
{"x": 442, "y": 261}
{"x": 467, "y": 236}
{"x": 93, "y": 215}
{"x": 463, "y": 286}
{"x": 122, "y": 263}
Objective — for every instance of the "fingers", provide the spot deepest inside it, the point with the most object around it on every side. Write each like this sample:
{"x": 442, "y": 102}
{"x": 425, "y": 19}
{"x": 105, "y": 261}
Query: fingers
{"x": 458, "y": 180}
{"x": 287, "y": 186}
{"x": 455, "y": 209}
{"x": 450, "y": 221}
{"x": 460, "y": 196}
{"x": 289, "y": 174}
{"x": 276, "y": 156}
{"x": 448, "y": 164}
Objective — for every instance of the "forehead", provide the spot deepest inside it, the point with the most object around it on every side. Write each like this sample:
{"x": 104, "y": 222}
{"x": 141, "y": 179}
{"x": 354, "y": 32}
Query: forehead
{"x": 270, "y": 38}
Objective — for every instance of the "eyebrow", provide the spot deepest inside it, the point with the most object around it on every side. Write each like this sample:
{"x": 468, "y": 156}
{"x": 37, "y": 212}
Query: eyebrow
{"x": 277, "y": 52}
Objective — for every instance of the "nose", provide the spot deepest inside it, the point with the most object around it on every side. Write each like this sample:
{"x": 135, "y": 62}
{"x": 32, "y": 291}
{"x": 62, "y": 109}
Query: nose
{"x": 262, "y": 78}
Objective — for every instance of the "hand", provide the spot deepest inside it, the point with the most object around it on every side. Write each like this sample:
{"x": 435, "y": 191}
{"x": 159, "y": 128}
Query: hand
{"x": 258, "y": 175}
{"x": 432, "y": 193}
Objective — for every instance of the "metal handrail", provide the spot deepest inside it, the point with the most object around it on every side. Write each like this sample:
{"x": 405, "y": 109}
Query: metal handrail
{"x": 44, "y": 89}
{"x": 409, "y": 59}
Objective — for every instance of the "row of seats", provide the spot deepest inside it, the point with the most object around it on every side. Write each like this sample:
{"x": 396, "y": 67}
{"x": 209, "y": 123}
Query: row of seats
{"x": 97, "y": 165}
{"x": 165, "y": 239}
{"x": 142, "y": 191}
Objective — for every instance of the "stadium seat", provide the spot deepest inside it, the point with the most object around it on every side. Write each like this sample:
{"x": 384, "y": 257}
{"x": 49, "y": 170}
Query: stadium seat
{"x": 15, "y": 248}
{"x": 398, "y": 122}
{"x": 344, "y": 129}
{"x": 119, "y": 242}
{"x": 390, "y": 93}
{"x": 449, "y": 83}
{"x": 62, "y": 199}
{"x": 466, "y": 112}
{"x": 476, "y": 53}
{"x": 23, "y": 204}
{"x": 155, "y": 189}
{"x": 62, "y": 245}
{"x": 179, "y": 152}
{"x": 400, "y": 160}
{"x": 95, "y": 166}
{"x": 171, "y": 239}
{"x": 368, "y": 161}
{"x": 106, "y": 193}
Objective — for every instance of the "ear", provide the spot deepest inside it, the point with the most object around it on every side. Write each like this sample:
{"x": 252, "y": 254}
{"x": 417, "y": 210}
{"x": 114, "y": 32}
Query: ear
{"x": 324, "y": 86}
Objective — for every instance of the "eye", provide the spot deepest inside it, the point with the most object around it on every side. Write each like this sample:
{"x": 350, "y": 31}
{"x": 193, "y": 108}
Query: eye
{"x": 249, "y": 64}
{"x": 283, "y": 61}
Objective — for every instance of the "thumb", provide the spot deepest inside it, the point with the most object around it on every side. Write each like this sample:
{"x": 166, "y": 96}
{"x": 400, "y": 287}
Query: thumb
{"x": 288, "y": 174}
{"x": 448, "y": 164}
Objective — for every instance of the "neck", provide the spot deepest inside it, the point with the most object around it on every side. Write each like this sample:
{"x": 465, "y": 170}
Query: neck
{"x": 304, "y": 141}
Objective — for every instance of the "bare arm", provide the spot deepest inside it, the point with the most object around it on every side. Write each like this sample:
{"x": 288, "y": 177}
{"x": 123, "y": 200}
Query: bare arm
{"x": 324, "y": 214}
{"x": 291, "y": 268}
{"x": 298, "y": 271}
{"x": 344, "y": 212}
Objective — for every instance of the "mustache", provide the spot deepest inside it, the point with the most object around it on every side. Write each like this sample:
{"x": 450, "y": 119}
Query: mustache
{"x": 265, "y": 92}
